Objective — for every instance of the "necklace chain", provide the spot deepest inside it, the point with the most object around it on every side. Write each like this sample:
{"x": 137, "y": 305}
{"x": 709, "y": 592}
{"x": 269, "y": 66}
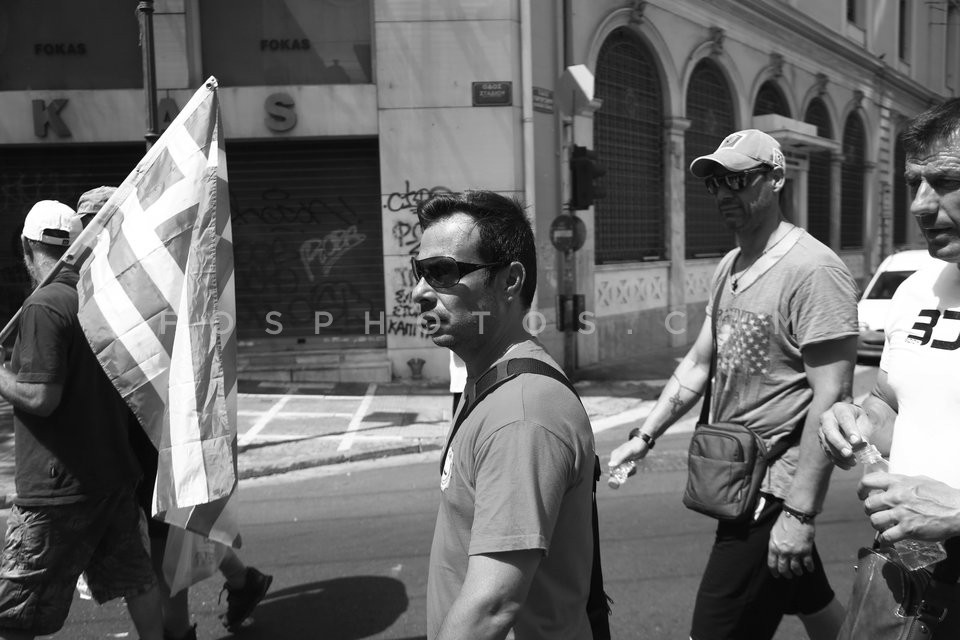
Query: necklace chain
{"x": 735, "y": 280}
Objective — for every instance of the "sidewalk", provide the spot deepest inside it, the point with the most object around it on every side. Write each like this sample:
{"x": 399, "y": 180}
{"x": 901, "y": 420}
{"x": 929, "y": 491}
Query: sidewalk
{"x": 288, "y": 428}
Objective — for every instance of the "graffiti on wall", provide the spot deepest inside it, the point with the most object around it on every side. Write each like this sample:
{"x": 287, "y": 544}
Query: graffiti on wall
{"x": 284, "y": 280}
{"x": 405, "y": 229}
{"x": 327, "y": 250}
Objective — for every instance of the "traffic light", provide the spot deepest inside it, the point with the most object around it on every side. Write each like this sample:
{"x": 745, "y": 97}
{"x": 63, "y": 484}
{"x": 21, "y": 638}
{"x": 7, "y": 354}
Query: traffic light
{"x": 585, "y": 170}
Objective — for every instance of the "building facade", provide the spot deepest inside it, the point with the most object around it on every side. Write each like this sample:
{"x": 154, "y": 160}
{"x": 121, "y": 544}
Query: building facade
{"x": 340, "y": 116}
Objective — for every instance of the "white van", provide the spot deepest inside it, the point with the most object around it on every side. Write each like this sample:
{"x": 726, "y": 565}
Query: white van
{"x": 875, "y": 301}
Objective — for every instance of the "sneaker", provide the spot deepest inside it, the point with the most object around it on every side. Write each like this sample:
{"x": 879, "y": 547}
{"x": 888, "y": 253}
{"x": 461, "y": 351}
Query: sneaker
{"x": 189, "y": 635}
{"x": 241, "y": 602}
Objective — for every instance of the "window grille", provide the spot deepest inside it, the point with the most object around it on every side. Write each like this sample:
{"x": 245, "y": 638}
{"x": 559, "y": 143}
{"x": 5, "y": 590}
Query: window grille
{"x": 770, "y": 100}
{"x": 819, "y": 177}
{"x": 851, "y": 186}
{"x": 710, "y": 111}
{"x": 628, "y": 138}
{"x": 901, "y": 201}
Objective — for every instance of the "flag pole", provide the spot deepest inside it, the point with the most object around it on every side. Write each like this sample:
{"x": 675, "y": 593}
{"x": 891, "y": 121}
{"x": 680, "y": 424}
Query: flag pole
{"x": 73, "y": 256}
{"x": 145, "y": 13}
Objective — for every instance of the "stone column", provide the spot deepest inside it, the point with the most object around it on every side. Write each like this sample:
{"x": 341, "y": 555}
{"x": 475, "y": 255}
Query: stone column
{"x": 675, "y": 175}
{"x": 836, "y": 177}
{"x": 871, "y": 217}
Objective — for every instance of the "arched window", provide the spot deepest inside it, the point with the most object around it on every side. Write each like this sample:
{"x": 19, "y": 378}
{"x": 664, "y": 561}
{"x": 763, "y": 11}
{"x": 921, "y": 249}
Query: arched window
{"x": 851, "y": 189}
{"x": 901, "y": 198}
{"x": 819, "y": 180}
{"x": 628, "y": 138}
{"x": 710, "y": 111}
{"x": 770, "y": 100}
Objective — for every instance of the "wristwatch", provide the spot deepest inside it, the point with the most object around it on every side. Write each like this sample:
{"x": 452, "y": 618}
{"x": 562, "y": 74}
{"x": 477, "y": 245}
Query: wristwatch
{"x": 636, "y": 433}
{"x": 800, "y": 516}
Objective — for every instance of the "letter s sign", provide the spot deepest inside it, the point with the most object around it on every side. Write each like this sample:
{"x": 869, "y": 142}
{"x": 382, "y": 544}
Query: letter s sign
{"x": 281, "y": 115}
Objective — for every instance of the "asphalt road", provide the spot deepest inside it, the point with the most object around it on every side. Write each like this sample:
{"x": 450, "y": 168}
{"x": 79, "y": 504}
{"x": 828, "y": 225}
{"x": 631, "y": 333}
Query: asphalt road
{"x": 348, "y": 546}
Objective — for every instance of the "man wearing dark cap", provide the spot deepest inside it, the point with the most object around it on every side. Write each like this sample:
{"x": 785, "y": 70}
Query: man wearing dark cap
{"x": 785, "y": 311}
{"x": 74, "y": 509}
{"x": 92, "y": 201}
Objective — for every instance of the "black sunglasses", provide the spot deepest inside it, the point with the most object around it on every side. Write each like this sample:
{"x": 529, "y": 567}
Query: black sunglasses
{"x": 442, "y": 272}
{"x": 733, "y": 181}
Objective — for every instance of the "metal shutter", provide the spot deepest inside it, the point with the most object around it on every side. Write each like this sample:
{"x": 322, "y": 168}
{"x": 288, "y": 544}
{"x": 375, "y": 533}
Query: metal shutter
{"x": 307, "y": 235}
{"x": 48, "y": 172}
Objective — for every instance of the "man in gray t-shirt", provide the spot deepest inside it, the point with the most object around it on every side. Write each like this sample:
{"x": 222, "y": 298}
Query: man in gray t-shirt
{"x": 784, "y": 351}
{"x": 512, "y": 550}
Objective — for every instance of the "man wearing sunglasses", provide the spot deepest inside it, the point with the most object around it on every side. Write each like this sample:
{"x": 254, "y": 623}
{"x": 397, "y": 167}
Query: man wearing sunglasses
{"x": 513, "y": 539}
{"x": 785, "y": 310}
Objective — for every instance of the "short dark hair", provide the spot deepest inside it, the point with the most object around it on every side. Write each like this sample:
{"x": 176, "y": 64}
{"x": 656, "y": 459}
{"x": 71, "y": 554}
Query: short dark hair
{"x": 939, "y": 123}
{"x": 505, "y": 231}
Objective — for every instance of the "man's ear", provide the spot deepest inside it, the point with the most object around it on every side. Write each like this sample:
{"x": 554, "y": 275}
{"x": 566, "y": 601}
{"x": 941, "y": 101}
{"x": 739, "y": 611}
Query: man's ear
{"x": 779, "y": 179}
{"x": 516, "y": 275}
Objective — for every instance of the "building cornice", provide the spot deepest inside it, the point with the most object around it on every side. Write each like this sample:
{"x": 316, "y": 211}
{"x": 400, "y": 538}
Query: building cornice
{"x": 793, "y": 20}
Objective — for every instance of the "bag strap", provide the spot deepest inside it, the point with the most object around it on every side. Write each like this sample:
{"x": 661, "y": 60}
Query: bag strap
{"x": 708, "y": 390}
{"x": 598, "y": 602}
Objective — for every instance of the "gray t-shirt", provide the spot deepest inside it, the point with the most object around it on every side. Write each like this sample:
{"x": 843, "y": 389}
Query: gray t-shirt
{"x": 519, "y": 476}
{"x": 805, "y": 297}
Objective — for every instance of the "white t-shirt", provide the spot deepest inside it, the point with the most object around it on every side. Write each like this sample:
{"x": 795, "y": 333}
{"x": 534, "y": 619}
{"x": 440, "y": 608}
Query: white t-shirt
{"x": 458, "y": 373}
{"x": 922, "y": 360}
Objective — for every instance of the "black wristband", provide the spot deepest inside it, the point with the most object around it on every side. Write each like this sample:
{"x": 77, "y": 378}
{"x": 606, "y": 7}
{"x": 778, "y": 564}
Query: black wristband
{"x": 636, "y": 433}
{"x": 800, "y": 516}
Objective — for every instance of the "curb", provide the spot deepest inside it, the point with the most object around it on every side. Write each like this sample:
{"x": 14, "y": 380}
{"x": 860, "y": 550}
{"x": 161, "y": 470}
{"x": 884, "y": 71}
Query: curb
{"x": 309, "y": 463}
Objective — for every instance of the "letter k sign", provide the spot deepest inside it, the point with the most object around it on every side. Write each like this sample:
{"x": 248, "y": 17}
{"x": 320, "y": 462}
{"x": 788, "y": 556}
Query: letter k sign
{"x": 49, "y": 116}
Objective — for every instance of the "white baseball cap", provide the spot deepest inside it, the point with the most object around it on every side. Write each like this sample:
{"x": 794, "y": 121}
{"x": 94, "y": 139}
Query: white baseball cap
{"x": 52, "y": 222}
{"x": 741, "y": 151}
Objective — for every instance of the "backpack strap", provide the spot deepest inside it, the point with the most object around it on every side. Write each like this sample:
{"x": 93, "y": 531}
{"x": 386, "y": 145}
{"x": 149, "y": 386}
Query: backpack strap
{"x": 598, "y": 602}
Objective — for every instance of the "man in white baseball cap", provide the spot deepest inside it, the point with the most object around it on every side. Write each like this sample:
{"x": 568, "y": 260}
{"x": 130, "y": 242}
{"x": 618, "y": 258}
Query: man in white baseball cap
{"x": 778, "y": 344}
{"x": 740, "y": 151}
{"x": 52, "y": 222}
{"x": 75, "y": 509}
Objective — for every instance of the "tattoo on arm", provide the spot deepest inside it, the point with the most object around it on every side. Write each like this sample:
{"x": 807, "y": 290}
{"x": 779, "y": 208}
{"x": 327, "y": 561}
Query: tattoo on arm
{"x": 682, "y": 386}
{"x": 676, "y": 402}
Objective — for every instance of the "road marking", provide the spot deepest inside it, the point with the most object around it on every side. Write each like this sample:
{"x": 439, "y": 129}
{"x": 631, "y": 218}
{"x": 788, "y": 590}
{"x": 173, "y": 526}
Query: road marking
{"x": 357, "y": 418}
{"x": 264, "y": 420}
{"x": 297, "y": 414}
{"x": 296, "y": 437}
{"x": 305, "y": 396}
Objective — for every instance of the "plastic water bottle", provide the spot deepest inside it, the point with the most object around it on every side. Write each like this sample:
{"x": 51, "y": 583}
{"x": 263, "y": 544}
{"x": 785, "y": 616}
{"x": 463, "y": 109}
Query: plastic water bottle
{"x": 910, "y": 554}
{"x": 619, "y": 474}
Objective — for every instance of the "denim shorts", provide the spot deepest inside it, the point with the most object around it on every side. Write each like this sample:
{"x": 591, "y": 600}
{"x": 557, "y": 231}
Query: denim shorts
{"x": 48, "y": 547}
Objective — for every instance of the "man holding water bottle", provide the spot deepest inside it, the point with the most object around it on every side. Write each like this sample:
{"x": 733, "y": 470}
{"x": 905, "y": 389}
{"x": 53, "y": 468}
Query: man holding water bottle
{"x": 913, "y": 410}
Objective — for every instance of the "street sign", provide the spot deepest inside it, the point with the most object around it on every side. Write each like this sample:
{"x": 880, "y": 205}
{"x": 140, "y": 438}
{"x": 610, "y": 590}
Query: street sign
{"x": 567, "y": 233}
{"x": 492, "y": 94}
{"x": 542, "y": 100}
